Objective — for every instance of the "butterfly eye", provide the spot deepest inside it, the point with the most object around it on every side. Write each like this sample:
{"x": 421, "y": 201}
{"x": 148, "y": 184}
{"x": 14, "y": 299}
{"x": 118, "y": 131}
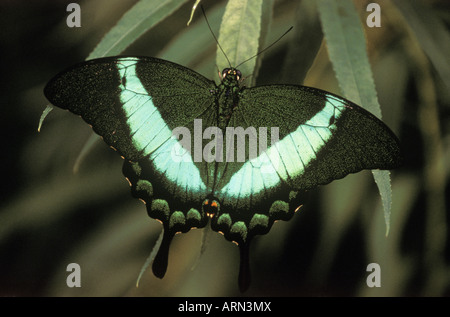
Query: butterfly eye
{"x": 238, "y": 74}
{"x": 225, "y": 72}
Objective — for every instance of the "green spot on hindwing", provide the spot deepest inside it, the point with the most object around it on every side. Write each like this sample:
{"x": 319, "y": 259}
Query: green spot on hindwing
{"x": 176, "y": 220}
{"x": 259, "y": 221}
{"x": 240, "y": 229}
{"x": 160, "y": 209}
{"x": 193, "y": 214}
{"x": 279, "y": 210}
{"x": 144, "y": 186}
{"x": 224, "y": 219}
{"x": 136, "y": 168}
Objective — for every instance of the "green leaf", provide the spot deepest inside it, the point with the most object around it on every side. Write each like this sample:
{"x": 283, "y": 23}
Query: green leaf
{"x": 240, "y": 35}
{"x": 150, "y": 258}
{"x": 431, "y": 33}
{"x": 44, "y": 115}
{"x": 383, "y": 181}
{"x": 140, "y": 18}
{"x": 347, "y": 50}
{"x": 304, "y": 40}
{"x": 184, "y": 49}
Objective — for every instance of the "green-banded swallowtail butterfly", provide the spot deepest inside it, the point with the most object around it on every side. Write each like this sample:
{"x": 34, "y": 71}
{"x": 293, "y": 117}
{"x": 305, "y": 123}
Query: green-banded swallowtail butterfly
{"x": 238, "y": 157}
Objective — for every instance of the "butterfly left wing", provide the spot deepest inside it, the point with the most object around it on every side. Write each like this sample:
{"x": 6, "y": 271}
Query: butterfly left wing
{"x": 135, "y": 103}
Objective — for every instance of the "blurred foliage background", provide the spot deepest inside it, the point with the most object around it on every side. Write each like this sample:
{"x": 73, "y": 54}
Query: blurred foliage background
{"x": 50, "y": 217}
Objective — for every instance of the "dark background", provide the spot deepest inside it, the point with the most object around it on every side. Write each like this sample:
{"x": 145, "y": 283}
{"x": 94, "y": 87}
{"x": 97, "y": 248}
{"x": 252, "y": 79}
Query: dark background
{"x": 50, "y": 217}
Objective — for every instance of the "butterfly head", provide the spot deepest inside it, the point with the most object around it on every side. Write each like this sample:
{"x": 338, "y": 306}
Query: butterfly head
{"x": 231, "y": 76}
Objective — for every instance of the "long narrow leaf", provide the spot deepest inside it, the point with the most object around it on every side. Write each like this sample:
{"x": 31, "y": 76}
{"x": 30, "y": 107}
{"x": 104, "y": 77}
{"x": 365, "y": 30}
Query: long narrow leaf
{"x": 140, "y": 18}
{"x": 239, "y": 35}
{"x": 184, "y": 49}
{"x": 431, "y": 34}
{"x": 346, "y": 47}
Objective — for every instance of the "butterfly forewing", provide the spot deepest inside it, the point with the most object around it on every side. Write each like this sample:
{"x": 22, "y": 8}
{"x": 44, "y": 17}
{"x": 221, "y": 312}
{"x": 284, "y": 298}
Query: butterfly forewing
{"x": 322, "y": 136}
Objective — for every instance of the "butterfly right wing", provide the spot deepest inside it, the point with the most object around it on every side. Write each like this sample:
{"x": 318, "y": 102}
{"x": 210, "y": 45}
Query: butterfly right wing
{"x": 322, "y": 137}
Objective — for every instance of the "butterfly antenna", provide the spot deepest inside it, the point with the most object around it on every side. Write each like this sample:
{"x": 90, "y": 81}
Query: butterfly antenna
{"x": 215, "y": 38}
{"x": 266, "y": 48}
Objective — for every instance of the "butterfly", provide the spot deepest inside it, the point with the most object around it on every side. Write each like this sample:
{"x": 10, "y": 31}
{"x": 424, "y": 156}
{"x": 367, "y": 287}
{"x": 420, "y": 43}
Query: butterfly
{"x": 197, "y": 152}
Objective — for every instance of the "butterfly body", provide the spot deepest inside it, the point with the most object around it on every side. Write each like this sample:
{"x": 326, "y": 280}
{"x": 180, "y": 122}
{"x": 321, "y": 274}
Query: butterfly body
{"x": 228, "y": 96}
{"x": 196, "y": 151}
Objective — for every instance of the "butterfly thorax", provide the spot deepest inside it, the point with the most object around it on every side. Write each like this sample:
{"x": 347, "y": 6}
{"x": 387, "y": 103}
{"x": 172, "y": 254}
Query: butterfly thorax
{"x": 228, "y": 95}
